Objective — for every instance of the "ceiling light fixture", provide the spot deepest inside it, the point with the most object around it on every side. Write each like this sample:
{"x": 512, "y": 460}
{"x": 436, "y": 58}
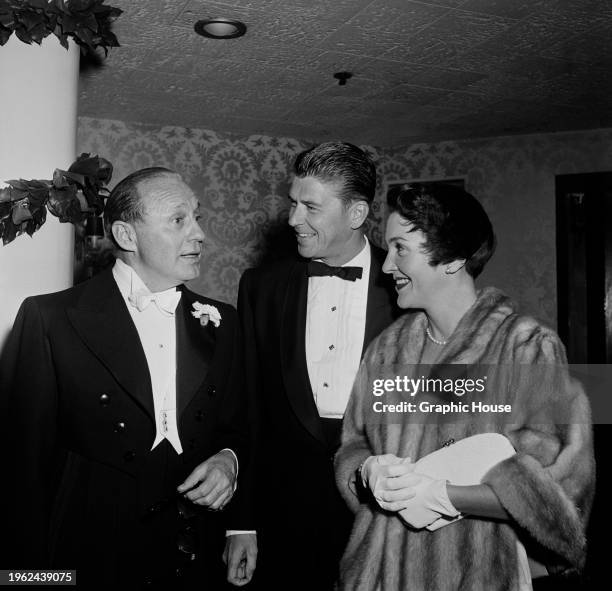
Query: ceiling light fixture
{"x": 220, "y": 28}
{"x": 342, "y": 77}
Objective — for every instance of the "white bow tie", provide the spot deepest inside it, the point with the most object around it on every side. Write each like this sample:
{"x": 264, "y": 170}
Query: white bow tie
{"x": 166, "y": 301}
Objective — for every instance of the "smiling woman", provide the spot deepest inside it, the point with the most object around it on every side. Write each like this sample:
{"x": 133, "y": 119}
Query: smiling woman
{"x": 434, "y": 232}
{"x": 439, "y": 240}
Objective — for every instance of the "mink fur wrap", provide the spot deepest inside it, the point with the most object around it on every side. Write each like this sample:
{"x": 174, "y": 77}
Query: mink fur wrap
{"x": 547, "y": 487}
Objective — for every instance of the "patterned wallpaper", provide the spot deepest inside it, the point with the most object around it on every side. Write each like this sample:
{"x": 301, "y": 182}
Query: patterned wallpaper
{"x": 243, "y": 181}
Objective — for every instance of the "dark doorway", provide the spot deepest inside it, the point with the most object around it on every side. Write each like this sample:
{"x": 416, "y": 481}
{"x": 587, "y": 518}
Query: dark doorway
{"x": 584, "y": 296}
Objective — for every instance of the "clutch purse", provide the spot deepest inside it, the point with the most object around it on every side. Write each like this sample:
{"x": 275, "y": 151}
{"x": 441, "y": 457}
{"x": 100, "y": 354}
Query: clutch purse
{"x": 464, "y": 463}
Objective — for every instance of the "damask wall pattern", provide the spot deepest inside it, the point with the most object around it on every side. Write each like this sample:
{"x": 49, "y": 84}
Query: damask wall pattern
{"x": 243, "y": 182}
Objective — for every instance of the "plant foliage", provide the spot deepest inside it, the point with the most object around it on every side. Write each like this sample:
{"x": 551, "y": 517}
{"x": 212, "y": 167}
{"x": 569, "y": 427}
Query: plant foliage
{"x": 87, "y": 22}
{"x": 70, "y": 196}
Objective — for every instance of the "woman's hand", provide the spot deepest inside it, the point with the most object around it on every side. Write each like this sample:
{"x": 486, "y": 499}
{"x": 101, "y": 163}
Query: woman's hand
{"x": 375, "y": 470}
{"x": 419, "y": 499}
{"x": 390, "y": 479}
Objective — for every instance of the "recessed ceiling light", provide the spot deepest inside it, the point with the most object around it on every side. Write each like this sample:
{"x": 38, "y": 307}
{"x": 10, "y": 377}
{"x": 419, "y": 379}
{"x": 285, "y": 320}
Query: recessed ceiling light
{"x": 220, "y": 28}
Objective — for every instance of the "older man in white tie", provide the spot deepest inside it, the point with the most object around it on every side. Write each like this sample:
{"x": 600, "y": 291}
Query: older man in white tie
{"x": 120, "y": 397}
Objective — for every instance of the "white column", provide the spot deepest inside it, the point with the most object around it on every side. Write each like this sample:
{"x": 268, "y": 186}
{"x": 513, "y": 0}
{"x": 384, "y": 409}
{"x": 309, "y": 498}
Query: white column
{"x": 38, "y": 118}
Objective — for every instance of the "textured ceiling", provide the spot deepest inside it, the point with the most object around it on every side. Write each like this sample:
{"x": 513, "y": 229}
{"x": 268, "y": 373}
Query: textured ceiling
{"x": 422, "y": 71}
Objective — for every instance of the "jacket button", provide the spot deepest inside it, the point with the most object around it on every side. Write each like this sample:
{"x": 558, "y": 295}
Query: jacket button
{"x": 155, "y": 508}
{"x": 119, "y": 427}
{"x": 199, "y": 415}
{"x": 211, "y": 390}
{"x": 104, "y": 400}
{"x": 128, "y": 456}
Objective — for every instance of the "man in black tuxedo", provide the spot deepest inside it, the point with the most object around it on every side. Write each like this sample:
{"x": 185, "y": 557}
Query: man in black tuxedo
{"x": 123, "y": 426}
{"x": 306, "y": 325}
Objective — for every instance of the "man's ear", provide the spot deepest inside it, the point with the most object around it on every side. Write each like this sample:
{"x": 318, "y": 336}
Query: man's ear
{"x": 124, "y": 235}
{"x": 358, "y": 213}
{"x": 454, "y": 266}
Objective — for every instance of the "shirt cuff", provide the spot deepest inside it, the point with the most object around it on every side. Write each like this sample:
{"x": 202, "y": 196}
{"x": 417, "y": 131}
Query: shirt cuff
{"x": 237, "y": 532}
{"x": 236, "y": 464}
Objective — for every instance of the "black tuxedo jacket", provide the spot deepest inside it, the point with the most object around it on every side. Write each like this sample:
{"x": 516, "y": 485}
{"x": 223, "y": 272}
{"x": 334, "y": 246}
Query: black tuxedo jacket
{"x": 293, "y": 475}
{"x": 82, "y": 487}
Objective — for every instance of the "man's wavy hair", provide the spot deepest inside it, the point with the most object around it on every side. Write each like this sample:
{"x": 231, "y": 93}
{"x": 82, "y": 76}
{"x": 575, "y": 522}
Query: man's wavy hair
{"x": 454, "y": 223}
{"x": 340, "y": 161}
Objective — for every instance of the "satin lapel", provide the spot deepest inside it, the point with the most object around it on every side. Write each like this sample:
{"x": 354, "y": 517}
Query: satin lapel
{"x": 195, "y": 345}
{"x": 293, "y": 352}
{"x": 379, "y": 309}
{"x": 102, "y": 321}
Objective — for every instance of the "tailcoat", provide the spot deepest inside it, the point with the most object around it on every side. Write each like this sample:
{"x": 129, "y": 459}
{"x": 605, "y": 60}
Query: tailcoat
{"x": 82, "y": 488}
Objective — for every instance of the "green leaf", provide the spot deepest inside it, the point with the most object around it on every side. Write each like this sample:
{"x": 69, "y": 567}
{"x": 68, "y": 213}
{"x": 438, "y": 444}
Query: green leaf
{"x": 4, "y": 36}
{"x": 79, "y": 179}
{"x": 38, "y": 197}
{"x": 64, "y": 204}
{"x": 85, "y": 165}
{"x": 38, "y": 219}
{"x": 9, "y": 232}
{"x": 31, "y": 20}
{"x": 21, "y": 212}
{"x": 90, "y": 22}
{"x": 5, "y": 196}
{"x": 23, "y": 35}
{"x": 87, "y": 22}
{"x": 5, "y": 210}
{"x": 17, "y": 194}
{"x": 59, "y": 180}
{"x": 42, "y": 4}
{"x": 68, "y": 24}
{"x": 63, "y": 39}
{"x": 7, "y": 19}
{"x": 39, "y": 32}
{"x": 20, "y": 185}
{"x": 83, "y": 201}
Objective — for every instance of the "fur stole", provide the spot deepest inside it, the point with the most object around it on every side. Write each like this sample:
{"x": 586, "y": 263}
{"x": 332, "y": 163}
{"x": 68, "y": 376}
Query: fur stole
{"x": 546, "y": 487}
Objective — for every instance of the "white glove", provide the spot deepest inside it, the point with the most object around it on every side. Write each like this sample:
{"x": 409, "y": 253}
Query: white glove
{"x": 377, "y": 472}
{"x": 372, "y": 470}
{"x": 429, "y": 503}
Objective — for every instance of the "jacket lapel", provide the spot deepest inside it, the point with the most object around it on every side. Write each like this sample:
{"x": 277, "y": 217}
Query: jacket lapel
{"x": 195, "y": 345}
{"x": 102, "y": 321}
{"x": 380, "y": 307}
{"x": 293, "y": 352}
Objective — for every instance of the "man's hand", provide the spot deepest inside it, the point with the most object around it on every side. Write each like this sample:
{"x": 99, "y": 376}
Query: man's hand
{"x": 211, "y": 484}
{"x": 240, "y": 555}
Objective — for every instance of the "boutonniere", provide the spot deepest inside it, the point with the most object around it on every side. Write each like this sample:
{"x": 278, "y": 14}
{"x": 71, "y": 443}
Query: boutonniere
{"x": 206, "y": 313}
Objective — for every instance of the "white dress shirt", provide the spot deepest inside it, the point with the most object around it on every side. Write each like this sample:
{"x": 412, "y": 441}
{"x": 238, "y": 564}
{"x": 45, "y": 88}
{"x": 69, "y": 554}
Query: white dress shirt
{"x": 157, "y": 331}
{"x": 335, "y": 329}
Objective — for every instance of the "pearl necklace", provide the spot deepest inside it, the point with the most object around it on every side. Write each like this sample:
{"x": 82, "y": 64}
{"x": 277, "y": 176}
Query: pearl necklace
{"x": 435, "y": 341}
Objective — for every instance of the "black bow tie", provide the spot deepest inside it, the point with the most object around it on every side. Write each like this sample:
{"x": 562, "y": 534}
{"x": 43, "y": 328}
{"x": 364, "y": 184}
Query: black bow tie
{"x": 317, "y": 269}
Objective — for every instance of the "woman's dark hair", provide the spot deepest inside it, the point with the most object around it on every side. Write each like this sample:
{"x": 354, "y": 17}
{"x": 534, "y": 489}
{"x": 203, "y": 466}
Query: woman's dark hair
{"x": 340, "y": 161}
{"x": 454, "y": 223}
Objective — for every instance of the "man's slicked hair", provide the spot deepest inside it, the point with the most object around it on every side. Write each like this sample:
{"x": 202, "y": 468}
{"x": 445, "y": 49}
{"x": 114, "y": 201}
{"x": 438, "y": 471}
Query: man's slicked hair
{"x": 124, "y": 203}
{"x": 340, "y": 162}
